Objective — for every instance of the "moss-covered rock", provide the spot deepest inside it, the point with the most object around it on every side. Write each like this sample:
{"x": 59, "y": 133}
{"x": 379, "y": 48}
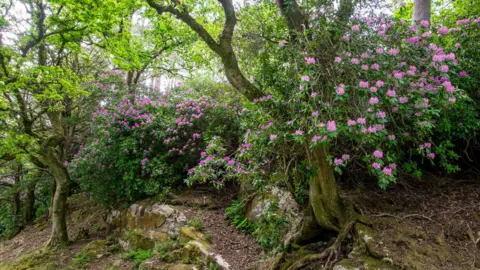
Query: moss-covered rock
{"x": 96, "y": 248}
{"x": 144, "y": 223}
{"x": 38, "y": 260}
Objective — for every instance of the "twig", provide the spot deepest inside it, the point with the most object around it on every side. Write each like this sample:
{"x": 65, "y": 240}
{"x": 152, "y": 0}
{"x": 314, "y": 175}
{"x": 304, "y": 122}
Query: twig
{"x": 404, "y": 217}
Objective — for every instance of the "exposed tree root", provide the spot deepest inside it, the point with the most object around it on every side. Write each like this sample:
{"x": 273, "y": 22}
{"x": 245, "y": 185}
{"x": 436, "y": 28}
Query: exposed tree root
{"x": 330, "y": 254}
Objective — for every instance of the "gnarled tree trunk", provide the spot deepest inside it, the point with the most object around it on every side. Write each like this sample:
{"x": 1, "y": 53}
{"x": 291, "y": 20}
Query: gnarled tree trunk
{"x": 330, "y": 211}
{"x": 59, "y": 236}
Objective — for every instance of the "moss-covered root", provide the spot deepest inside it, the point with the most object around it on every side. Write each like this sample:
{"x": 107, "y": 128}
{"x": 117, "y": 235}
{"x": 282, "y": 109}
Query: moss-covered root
{"x": 330, "y": 254}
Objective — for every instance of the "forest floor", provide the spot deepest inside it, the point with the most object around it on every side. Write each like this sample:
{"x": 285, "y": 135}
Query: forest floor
{"x": 431, "y": 224}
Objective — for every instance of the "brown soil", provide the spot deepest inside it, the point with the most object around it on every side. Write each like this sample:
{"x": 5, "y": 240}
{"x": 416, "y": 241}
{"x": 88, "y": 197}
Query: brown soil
{"x": 33, "y": 238}
{"x": 237, "y": 248}
{"x": 429, "y": 224}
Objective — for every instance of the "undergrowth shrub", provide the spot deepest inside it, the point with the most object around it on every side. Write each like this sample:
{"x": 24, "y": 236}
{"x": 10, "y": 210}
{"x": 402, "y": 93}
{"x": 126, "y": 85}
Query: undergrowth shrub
{"x": 144, "y": 146}
{"x": 267, "y": 231}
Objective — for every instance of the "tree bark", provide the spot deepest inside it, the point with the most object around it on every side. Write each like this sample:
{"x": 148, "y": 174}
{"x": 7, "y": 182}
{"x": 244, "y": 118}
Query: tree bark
{"x": 295, "y": 19}
{"x": 421, "y": 11}
{"x": 16, "y": 204}
{"x": 223, "y": 48}
{"x": 30, "y": 205}
{"x": 59, "y": 236}
{"x": 50, "y": 157}
{"x": 330, "y": 211}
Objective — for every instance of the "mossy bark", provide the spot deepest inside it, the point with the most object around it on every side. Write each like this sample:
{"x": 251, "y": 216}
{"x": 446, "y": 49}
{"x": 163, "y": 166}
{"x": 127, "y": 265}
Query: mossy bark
{"x": 59, "y": 236}
{"x": 329, "y": 210}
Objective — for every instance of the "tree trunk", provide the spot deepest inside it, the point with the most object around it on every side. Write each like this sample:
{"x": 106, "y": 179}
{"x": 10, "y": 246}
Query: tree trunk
{"x": 53, "y": 187}
{"x": 330, "y": 211}
{"x": 30, "y": 205}
{"x": 294, "y": 17}
{"x": 16, "y": 204}
{"x": 59, "y": 236}
{"x": 421, "y": 11}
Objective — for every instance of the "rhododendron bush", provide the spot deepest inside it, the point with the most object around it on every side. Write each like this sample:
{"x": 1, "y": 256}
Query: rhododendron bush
{"x": 385, "y": 100}
{"x": 143, "y": 146}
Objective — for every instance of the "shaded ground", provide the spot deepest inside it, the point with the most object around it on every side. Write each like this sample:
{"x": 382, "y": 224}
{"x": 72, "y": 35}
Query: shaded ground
{"x": 238, "y": 249}
{"x": 430, "y": 224}
{"x": 85, "y": 225}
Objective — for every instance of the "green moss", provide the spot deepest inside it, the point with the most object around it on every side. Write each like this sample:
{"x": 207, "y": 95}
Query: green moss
{"x": 37, "y": 260}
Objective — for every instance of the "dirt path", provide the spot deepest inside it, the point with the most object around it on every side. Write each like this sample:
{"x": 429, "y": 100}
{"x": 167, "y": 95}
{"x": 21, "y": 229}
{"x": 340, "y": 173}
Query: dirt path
{"x": 238, "y": 249}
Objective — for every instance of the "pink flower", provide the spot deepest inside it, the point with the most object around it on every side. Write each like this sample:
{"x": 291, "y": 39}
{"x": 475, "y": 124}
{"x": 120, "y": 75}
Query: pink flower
{"x": 375, "y": 66}
{"x": 373, "y": 100}
{"x": 345, "y": 156}
{"x": 273, "y": 137}
{"x": 231, "y": 162}
{"x": 316, "y": 138}
{"x": 394, "y": 51}
{"x": 282, "y": 43}
{"x": 443, "y": 30}
{"x": 379, "y": 83}
{"x": 373, "y": 89}
{"x": 365, "y": 67}
{"x": 299, "y": 132}
{"x": 309, "y": 60}
{"x": 425, "y": 23}
{"x": 338, "y": 60}
{"x": 452, "y": 100}
{"x": 381, "y": 115}
{"x": 331, "y": 126}
{"x": 464, "y": 21}
{"x": 202, "y": 154}
{"x": 338, "y": 161}
{"x": 315, "y": 113}
{"x": 391, "y": 137}
{"x": 387, "y": 171}
{"x": 379, "y": 50}
{"x": 398, "y": 75}
{"x": 361, "y": 121}
{"x": 305, "y": 78}
{"x": 391, "y": 93}
{"x": 431, "y": 155}
{"x": 376, "y": 166}
{"x": 443, "y": 68}
{"x": 340, "y": 90}
{"x": 355, "y": 28}
{"x": 355, "y": 61}
{"x": 463, "y": 74}
{"x": 378, "y": 154}
{"x": 457, "y": 45}
{"x": 403, "y": 99}
{"x": 351, "y": 122}
{"x": 314, "y": 94}
{"x": 363, "y": 84}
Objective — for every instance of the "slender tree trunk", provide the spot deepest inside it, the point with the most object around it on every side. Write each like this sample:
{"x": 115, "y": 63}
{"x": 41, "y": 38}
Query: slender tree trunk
{"x": 30, "y": 205}
{"x": 421, "y": 10}
{"x": 16, "y": 204}
{"x": 59, "y": 236}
